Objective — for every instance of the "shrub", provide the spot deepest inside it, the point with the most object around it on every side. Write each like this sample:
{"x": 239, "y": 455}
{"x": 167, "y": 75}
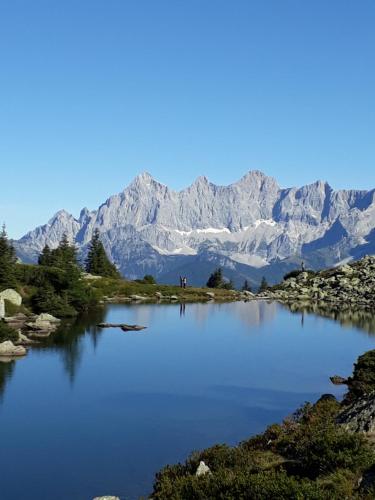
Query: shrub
{"x": 363, "y": 380}
{"x": 7, "y": 333}
{"x": 308, "y": 456}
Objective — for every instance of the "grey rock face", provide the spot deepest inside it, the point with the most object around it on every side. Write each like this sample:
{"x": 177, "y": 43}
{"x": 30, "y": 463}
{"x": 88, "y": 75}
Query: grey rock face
{"x": 253, "y": 222}
{"x": 360, "y": 416}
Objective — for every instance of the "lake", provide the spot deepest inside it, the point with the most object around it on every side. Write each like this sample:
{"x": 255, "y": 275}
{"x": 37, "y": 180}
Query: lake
{"x": 97, "y": 412}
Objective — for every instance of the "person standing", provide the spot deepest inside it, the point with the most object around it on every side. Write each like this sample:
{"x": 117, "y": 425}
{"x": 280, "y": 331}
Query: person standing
{"x": 185, "y": 281}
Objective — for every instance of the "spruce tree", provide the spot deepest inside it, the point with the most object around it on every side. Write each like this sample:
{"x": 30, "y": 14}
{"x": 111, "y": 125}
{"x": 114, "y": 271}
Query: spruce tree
{"x": 246, "y": 286}
{"x": 7, "y": 262}
{"x": 45, "y": 258}
{"x": 263, "y": 285}
{"x": 97, "y": 261}
{"x": 216, "y": 279}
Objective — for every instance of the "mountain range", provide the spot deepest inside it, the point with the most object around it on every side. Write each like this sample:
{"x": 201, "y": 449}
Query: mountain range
{"x": 251, "y": 228}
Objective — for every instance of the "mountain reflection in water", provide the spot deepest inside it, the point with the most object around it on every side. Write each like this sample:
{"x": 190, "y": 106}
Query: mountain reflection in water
{"x": 111, "y": 408}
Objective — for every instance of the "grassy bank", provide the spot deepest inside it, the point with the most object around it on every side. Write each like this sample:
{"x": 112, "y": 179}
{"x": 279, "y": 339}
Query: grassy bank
{"x": 117, "y": 290}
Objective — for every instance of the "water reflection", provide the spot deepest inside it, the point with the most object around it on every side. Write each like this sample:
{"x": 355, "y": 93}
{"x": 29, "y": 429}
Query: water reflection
{"x": 67, "y": 341}
{"x": 345, "y": 316}
{"x": 198, "y": 375}
{"x": 7, "y": 366}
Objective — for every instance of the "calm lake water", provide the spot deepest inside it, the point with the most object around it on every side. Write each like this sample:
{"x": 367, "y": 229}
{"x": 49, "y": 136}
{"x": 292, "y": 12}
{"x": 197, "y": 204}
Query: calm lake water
{"x": 100, "y": 411}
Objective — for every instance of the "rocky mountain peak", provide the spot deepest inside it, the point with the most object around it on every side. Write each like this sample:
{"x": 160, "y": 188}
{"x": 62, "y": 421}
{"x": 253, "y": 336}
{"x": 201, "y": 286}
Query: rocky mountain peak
{"x": 149, "y": 228}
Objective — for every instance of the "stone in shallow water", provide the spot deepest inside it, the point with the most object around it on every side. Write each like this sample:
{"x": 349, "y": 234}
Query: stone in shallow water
{"x": 7, "y": 348}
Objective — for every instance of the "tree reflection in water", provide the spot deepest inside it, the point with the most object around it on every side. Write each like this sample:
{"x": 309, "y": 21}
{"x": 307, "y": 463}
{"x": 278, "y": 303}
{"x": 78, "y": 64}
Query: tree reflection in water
{"x": 67, "y": 341}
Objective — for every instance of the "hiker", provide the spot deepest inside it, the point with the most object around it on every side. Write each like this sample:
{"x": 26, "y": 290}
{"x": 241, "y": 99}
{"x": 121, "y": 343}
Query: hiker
{"x": 302, "y": 266}
{"x": 184, "y": 281}
{"x": 181, "y": 282}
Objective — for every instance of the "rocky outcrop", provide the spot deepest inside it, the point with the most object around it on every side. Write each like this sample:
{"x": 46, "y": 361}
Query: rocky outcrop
{"x": 11, "y": 296}
{"x": 360, "y": 415}
{"x": 349, "y": 284}
{"x": 7, "y": 348}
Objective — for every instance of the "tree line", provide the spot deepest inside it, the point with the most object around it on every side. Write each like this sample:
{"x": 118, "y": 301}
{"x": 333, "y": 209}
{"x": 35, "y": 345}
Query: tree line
{"x": 56, "y": 284}
{"x": 217, "y": 280}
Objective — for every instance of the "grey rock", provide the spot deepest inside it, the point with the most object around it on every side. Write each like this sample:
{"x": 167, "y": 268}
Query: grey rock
{"x": 107, "y": 497}
{"x": 359, "y": 416}
{"x": 202, "y": 469}
{"x": 12, "y": 296}
{"x": 7, "y": 348}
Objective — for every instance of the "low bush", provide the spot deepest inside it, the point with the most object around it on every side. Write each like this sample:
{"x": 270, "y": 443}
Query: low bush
{"x": 7, "y": 333}
{"x": 308, "y": 456}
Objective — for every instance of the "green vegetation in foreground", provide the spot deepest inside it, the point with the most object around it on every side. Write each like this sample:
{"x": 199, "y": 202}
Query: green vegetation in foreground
{"x": 308, "y": 456}
{"x": 7, "y": 333}
{"x": 363, "y": 380}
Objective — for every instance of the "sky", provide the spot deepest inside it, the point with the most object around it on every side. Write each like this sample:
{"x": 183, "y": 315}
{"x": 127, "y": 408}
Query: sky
{"x": 94, "y": 92}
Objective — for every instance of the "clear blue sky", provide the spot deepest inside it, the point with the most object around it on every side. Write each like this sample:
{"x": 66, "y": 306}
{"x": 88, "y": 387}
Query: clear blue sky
{"x": 94, "y": 92}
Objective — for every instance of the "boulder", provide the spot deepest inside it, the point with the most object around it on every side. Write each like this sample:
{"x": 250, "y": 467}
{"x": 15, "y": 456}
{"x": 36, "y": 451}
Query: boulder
{"x": 158, "y": 295}
{"x": 202, "y": 469}
{"x": 174, "y": 297}
{"x": 12, "y": 296}
{"x": 2, "y": 308}
{"x": 107, "y": 497}
{"x": 23, "y": 340}
{"x": 211, "y": 295}
{"x": 248, "y": 294}
{"x": 7, "y": 348}
{"x": 47, "y": 317}
{"x": 360, "y": 415}
{"x": 137, "y": 297}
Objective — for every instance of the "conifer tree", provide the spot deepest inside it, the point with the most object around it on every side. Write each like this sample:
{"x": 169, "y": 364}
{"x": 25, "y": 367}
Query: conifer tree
{"x": 45, "y": 258}
{"x": 263, "y": 285}
{"x": 216, "y": 279}
{"x": 246, "y": 286}
{"x": 7, "y": 262}
{"x": 97, "y": 261}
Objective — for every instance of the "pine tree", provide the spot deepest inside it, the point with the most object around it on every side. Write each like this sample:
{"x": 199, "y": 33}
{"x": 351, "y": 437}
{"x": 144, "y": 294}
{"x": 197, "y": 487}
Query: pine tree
{"x": 246, "y": 286}
{"x": 97, "y": 261}
{"x": 263, "y": 285}
{"x": 45, "y": 258}
{"x": 7, "y": 262}
{"x": 216, "y": 279}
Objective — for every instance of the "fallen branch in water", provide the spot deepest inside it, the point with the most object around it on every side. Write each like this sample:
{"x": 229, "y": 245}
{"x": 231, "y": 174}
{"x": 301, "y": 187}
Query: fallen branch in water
{"x": 123, "y": 326}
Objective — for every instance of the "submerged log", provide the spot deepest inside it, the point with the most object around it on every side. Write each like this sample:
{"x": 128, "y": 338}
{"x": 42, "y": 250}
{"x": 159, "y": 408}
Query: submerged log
{"x": 123, "y": 326}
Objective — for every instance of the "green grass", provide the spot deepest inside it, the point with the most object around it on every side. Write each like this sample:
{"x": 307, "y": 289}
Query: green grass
{"x": 117, "y": 289}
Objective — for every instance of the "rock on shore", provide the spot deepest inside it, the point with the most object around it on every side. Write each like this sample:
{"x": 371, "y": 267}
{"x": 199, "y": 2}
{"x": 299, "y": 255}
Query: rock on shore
{"x": 7, "y": 348}
{"x": 349, "y": 284}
